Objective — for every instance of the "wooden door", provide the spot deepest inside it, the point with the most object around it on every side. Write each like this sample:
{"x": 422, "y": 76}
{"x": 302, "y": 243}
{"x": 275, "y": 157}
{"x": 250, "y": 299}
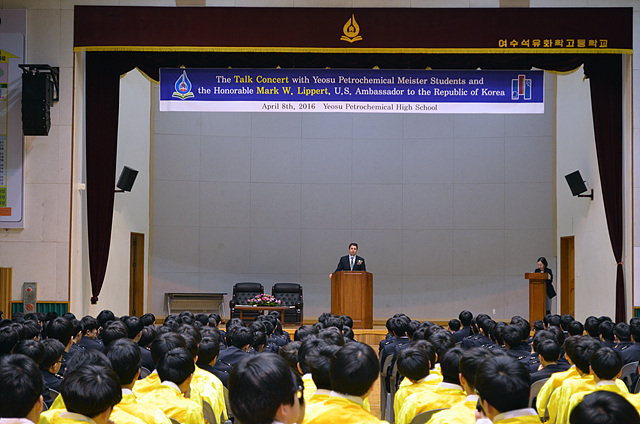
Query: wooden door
{"x": 567, "y": 276}
{"x": 136, "y": 275}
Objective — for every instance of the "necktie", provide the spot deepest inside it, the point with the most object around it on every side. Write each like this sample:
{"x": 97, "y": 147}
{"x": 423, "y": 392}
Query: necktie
{"x": 352, "y": 258}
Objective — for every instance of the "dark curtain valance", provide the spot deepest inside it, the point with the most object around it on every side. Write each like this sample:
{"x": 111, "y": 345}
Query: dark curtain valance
{"x": 103, "y": 70}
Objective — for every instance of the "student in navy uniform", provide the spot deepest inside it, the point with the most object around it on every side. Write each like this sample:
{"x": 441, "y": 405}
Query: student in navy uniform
{"x": 50, "y": 365}
{"x": 549, "y": 353}
{"x": 606, "y": 334}
{"x": 512, "y": 336}
{"x": 240, "y": 340}
{"x": 20, "y": 390}
{"x": 90, "y": 339}
{"x": 465, "y": 318}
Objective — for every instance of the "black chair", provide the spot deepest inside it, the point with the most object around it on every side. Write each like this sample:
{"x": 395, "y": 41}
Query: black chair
{"x": 289, "y": 294}
{"x": 242, "y": 293}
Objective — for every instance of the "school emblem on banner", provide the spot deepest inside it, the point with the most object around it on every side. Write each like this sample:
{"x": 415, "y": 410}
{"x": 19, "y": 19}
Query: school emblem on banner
{"x": 183, "y": 87}
{"x": 351, "y": 29}
{"x": 521, "y": 87}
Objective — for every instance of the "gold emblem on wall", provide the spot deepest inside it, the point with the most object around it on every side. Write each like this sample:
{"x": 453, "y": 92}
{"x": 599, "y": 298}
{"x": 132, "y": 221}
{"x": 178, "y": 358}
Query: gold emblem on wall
{"x": 351, "y": 30}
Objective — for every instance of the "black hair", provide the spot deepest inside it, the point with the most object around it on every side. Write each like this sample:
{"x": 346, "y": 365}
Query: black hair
{"x": 258, "y": 385}
{"x": 504, "y": 383}
{"x": 31, "y": 348}
{"x": 259, "y": 341}
{"x": 525, "y": 326}
{"x": 512, "y": 335}
{"x": 9, "y": 338}
{"x": 149, "y": 334}
{"x": 465, "y": 318}
{"x": 622, "y": 331}
{"x": 239, "y": 337}
{"x": 413, "y": 363}
{"x": 87, "y": 357}
{"x": 202, "y": 318}
{"x": 496, "y": 333}
{"x": 60, "y": 329}
{"x": 148, "y": 319}
{"x": 454, "y": 324}
{"x": 208, "y": 350}
{"x": 164, "y": 343}
{"x": 134, "y": 326}
{"x": 538, "y": 325}
{"x": 543, "y": 260}
{"x": 604, "y": 407}
{"x": 114, "y": 331}
{"x": 216, "y": 317}
{"x": 53, "y": 350}
{"x": 428, "y": 348}
{"x": 347, "y": 320}
{"x": 606, "y": 330}
{"x": 634, "y": 328}
{"x": 582, "y": 351}
{"x": 450, "y": 365}
{"x": 125, "y": 359}
{"x": 319, "y": 364}
{"x": 575, "y": 328}
{"x": 470, "y": 361}
{"x": 332, "y": 336}
{"x": 90, "y": 390}
{"x": 549, "y": 350}
{"x": 192, "y": 345}
{"x": 565, "y": 320}
{"x": 289, "y": 353}
{"x": 21, "y": 385}
{"x": 591, "y": 324}
{"x": 89, "y": 323}
{"x": 354, "y": 369}
{"x": 303, "y": 332}
{"x": 560, "y": 337}
{"x": 305, "y": 348}
{"x": 333, "y": 321}
{"x": 190, "y": 330}
{"x": 30, "y": 330}
{"x": 105, "y": 316}
{"x": 348, "y": 334}
{"x": 353, "y": 244}
{"x": 176, "y": 366}
{"x": 442, "y": 341}
{"x": 554, "y": 320}
{"x": 399, "y": 325}
{"x": 606, "y": 363}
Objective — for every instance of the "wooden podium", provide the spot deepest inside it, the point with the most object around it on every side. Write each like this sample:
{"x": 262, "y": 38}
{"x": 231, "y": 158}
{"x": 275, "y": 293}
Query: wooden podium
{"x": 537, "y": 295}
{"x": 352, "y": 294}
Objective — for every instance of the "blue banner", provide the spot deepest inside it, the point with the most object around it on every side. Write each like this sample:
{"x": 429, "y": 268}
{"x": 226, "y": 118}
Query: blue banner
{"x": 351, "y": 90}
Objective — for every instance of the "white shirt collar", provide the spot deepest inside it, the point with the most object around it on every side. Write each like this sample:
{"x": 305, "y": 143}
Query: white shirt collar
{"x": 126, "y": 392}
{"x": 450, "y": 386}
{"x": 171, "y": 384}
{"x": 15, "y": 421}
{"x": 356, "y": 399}
{"x": 515, "y": 414}
{"x": 77, "y": 417}
{"x": 606, "y": 383}
{"x": 322, "y": 392}
{"x": 472, "y": 398}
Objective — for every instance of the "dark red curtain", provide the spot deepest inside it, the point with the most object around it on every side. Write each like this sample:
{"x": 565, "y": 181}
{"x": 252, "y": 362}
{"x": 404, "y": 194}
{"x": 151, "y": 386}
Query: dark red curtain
{"x": 104, "y": 70}
{"x": 605, "y": 80}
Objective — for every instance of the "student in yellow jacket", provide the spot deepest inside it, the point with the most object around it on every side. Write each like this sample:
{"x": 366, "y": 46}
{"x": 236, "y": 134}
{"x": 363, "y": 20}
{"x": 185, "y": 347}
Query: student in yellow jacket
{"x": 175, "y": 370}
{"x": 503, "y": 385}
{"x": 445, "y": 394}
{"x": 464, "y": 412}
{"x": 90, "y": 392}
{"x": 353, "y": 372}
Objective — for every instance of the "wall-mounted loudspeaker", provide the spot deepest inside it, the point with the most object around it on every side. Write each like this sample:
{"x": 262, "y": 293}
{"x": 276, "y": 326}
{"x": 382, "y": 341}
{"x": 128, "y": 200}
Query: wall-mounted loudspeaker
{"x": 127, "y": 178}
{"x": 577, "y": 185}
{"x": 39, "y": 91}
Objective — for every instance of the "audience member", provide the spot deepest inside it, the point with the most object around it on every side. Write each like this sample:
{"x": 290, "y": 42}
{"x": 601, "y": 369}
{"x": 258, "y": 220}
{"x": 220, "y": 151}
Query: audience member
{"x": 20, "y": 390}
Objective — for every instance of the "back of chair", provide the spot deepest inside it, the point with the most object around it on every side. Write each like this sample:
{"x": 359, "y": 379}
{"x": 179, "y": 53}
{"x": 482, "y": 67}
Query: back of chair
{"x": 207, "y": 411}
{"x": 242, "y": 292}
{"x": 289, "y": 294}
{"x": 535, "y": 389}
{"x": 423, "y": 417}
{"x": 627, "y": 371}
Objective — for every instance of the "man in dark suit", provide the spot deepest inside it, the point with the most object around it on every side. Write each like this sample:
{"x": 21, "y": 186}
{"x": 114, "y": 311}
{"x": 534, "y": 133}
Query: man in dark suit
{"x": 351, "y": 262}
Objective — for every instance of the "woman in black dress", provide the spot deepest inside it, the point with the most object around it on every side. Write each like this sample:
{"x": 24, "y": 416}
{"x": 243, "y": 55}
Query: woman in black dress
{"x": 543, "y": 266}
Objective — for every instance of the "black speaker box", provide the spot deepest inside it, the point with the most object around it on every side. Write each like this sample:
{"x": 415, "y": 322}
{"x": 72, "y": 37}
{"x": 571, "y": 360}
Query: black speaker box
{"x": 576, "y": 183}
{"x": 37, "y": 97}
{"x": 127, "y": 178}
